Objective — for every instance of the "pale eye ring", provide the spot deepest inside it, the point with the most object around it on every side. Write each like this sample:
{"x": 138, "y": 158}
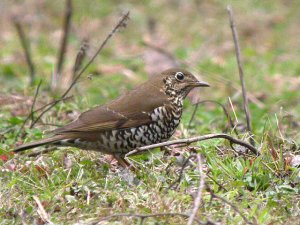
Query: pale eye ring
{"x": 179, "y": 76}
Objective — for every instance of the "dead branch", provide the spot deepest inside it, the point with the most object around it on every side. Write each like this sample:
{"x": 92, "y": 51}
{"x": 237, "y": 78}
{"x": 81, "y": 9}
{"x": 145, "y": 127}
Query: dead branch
{"x": 34, "y": 100}
{"x": 235, "y": 208}
{"x": 216, "y": 182}
{"x": 184, "y": 165}
{"x": 37, "y": 110}
{"x": 199, "y": 193}
{"x": 122, "y": 23}
{"x": 64, "y": 41}
{"x": 80, "y": 56}
{"x": 53, "y": 102}
{"x": 30, "y": 116}
{"x": 241, "y": 72}
{"x": 51, "y": 105}
{"x": 230, "y": 122}
{"x": 26, "y": 48}
{"x": 181, "y": 172}
{"x": 188, "y": 141}
{"x": 144, "y": 216}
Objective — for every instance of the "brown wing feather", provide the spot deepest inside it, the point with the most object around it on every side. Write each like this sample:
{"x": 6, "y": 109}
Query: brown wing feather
{"x": 129, "y": 110}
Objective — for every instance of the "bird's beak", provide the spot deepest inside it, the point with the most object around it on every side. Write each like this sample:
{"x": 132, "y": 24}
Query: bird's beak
{"x": 200, "y": 84}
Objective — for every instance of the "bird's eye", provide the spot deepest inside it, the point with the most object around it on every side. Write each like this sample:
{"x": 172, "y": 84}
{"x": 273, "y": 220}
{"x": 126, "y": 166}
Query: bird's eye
{"x": 179, "y": 76}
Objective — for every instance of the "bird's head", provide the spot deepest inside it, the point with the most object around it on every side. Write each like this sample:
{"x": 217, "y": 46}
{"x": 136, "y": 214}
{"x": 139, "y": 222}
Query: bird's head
{"x": 181, "y": 81}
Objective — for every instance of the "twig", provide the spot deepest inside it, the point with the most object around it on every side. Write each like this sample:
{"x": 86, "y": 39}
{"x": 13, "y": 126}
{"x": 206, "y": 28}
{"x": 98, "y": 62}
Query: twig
{"x": 181, "y": 172}
{"x": 37, "y": 110}
{"x": 252, "y": 98}
{"x": 216, "y": 182}
{"x": 34, "y": 100}
{"x": 217, "y": 103}
{"x": 143, "y": 216}
{"x": 122, "y": 23}
{"x": 188, "y": 141}
{"x": 26, "y": 48}
{"x": 80, "y": 56}
{"x": 199, "y": 193}
{"x": 241, "y": 72}
{"x": 228, "y": 203}
{"x": 54, "y": 102}
{"x": 64, "y": 41}
{"x": 30, "y": 116}
{"x": 51, "y": 105}
{"x": 41, "y": 211}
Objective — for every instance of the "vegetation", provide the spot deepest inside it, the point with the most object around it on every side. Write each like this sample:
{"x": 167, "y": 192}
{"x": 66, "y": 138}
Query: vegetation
{"x": 75, "y": 186}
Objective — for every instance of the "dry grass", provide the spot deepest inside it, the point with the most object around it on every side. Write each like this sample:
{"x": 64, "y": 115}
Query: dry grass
{"x": 75, "y": 185}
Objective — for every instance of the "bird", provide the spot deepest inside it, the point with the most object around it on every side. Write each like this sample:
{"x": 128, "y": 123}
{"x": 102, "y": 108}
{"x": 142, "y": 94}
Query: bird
{"x": 148, "y": 114}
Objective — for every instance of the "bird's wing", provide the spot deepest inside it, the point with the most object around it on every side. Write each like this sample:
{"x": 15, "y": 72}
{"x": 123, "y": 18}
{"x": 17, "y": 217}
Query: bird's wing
{"x": 129, "y": 110}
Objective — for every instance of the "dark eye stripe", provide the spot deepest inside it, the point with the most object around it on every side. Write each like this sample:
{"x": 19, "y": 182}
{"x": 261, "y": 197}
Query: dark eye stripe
{"x": 179, "y": 76}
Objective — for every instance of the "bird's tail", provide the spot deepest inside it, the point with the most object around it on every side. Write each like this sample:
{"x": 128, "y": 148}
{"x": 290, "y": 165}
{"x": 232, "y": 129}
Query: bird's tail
{"x": 50, "y": 140}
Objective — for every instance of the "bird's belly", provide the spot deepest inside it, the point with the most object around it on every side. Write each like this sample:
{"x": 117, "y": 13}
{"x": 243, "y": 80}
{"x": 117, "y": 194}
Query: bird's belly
{"x": 123, "y": 141}
{"x": 160, "y": 129}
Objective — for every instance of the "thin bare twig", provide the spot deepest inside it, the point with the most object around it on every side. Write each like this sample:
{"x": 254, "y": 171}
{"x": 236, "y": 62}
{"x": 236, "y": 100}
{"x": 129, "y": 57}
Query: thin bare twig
{"x": 216, "y": 182}
{"x": 143, "y": 216}
{"x": 37, "y": 110}
{"x": 199, "y": 193}
{"x": 64, "y": 42}
{"x": 228, "y": 203}
{"x": 188, "y": 141}
{"x": 241, "y": 72}
{"x": 215, "y": 102}
{"x": 50, "y": 106}
{"x": 34, "y": 100}
{"x": 30, "y": 116}
{"x": 41, "y": 211}
{"x": 54, "y": 102}
{"x": 80, "y": 56}
{"x": 122, "y": 23}
{"x": 181, "y": 172}
{"x": 26, "y": 48}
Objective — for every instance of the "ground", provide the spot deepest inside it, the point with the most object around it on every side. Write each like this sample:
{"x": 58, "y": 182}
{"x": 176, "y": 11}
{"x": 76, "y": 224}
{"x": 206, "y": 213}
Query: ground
{"x": 76, "y": 186}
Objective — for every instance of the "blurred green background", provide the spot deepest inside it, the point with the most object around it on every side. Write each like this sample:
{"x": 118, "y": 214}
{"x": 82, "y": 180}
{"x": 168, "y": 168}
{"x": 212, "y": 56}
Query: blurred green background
{"x": 194, "y": 34}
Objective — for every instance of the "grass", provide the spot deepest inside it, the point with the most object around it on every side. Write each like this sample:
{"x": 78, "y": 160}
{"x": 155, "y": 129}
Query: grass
{"x": 75, "y": 185}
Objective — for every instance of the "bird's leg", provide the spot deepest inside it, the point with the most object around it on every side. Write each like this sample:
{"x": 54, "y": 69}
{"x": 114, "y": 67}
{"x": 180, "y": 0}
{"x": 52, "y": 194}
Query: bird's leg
{"x": 123, "y": 162}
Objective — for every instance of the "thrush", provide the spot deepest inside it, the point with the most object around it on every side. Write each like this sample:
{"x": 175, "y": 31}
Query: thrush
{"x": 146, "y": 115}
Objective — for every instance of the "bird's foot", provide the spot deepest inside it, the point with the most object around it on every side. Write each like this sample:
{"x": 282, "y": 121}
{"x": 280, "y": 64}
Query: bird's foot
{"x": 123, "y": 162}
